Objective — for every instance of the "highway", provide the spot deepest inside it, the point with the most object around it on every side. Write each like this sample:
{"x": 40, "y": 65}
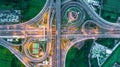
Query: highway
{"x": 100, "y": 21}
{"x": 58, "y": 23}
{"x": 33, "y": 33}
{"x": 70, "y": 36}
{"x": 15, "y": 52}
{"x": 106, "y": 30}
{"x": 32, "y": 59}
{"x": 25, "y": 30}
{"x": 25, "y": 45}
{"x": 66, "y": 6}
{"x": 81, "y": 37}
{"x": 36, "y": 18}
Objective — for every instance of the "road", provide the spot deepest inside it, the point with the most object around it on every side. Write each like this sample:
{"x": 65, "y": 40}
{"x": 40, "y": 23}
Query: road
{"x": 28, "y": 31}
{"x": 36, "y": 18}
{"x": 32, "y": 59}
{"x": 81, "y": 37}
{"x": 58, "y": 21}
{"x": 67, "y": 6}
{"x": 112, "y": 30}
{"x": 100, "y": 21}
{"x": 15, "y": 52}
{"x": 25, "y": 30}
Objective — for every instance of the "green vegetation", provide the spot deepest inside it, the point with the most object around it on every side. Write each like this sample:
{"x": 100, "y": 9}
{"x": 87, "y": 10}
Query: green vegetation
{"x": 35, "y": 48}
{"x": 43, "y": 45}
{"x": 79, "y": 58}
{"x": 118, "y": 60}
{"x": 35, "y": 51}
{"x": 20, "y": 48}
{"x": 67, "y": 21}
{"x": 16, "y": 41}
{"x": 29, "y": 8}
{"x": 113, "y": 58}
{"x": 94, "y": 62}
{"x": 19, "y": 41}
{"x": 35, "y": 45}
{"x": 110, "y": 10}
{"x": 33, "y": 9}
{"x": 108, "y": 42}
{"x": 7, "y": 59}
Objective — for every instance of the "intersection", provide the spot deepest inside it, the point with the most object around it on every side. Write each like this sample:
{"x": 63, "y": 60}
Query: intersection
{"x": 48, "y": 26}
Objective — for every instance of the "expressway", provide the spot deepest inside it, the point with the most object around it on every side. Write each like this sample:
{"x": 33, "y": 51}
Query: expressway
{"x": 15, "y": 52}
{"x": 32, "y": 59}
{"x": 100, "y": 21}
{"x": 112, "y": 30}
{"x": 82, "y": 13}
{"x": 36, "y": 18}
{"x": 33, "y": 32}
{"x": 70, "y": 36}
{"x": 81, "y": 37}
{"x": 58, "y": 23}
{"x": 24, "y": 30}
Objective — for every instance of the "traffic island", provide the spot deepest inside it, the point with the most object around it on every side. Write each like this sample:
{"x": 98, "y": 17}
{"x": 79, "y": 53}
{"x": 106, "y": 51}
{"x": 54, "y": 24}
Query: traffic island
{"x": 37, "y": 49}
{"x": 72, "y": 15}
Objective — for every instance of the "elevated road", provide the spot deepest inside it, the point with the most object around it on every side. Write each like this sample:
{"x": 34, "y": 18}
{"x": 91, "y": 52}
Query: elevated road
{"x": 81, "y": 37}
{"x": 23, "y": 33}
{"x": 58, "y": 23}
{"x": 91, "y": 35}
{"x": 100, "y": 21}
{"x": 24, "y": 30}
{"x": 36, "y": 18}
{"x": 112, "y": 30}
{"x": 32, "y": 59}
{"x": 71, "y": 4}
{"x": 15, "y": 52}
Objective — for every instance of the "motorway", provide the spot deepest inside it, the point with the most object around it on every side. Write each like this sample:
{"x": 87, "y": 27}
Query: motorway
{"x": 22, "y": 29}
{"x": 107, "y": 29}
{"x": 32, "y": 59}
{"x": 58, "y": 23}
{"x": 15, "y": 52}
{"x": 66, "y": 7}
{"x": 36, "y": 18}
{"x": 81, "y": 37}
{"x": 25, "y": 30}
{"x": 100, "y": 21}
{"x": 29, "y": 31}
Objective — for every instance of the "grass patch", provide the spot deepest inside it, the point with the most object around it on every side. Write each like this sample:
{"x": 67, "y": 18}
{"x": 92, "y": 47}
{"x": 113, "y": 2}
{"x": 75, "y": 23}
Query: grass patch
{"x": 79, "y": 58}
{"x": 29, "y": 8}
{"x": 7, "y": 59}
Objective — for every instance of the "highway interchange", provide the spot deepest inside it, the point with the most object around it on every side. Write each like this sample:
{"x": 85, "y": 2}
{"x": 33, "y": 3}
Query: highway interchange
{"x": 55, "y": 8}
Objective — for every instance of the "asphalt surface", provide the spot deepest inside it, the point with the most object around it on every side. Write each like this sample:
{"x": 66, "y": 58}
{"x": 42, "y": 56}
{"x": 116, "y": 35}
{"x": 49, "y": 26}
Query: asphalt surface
{"x": 112, "y": 30}
{"x": 58, "y": 23}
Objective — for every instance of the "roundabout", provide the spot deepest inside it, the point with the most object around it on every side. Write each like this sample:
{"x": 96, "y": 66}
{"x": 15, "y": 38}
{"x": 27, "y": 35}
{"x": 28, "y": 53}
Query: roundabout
{"x": 36, "y": 51}
{"x": 72, "y": 15}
